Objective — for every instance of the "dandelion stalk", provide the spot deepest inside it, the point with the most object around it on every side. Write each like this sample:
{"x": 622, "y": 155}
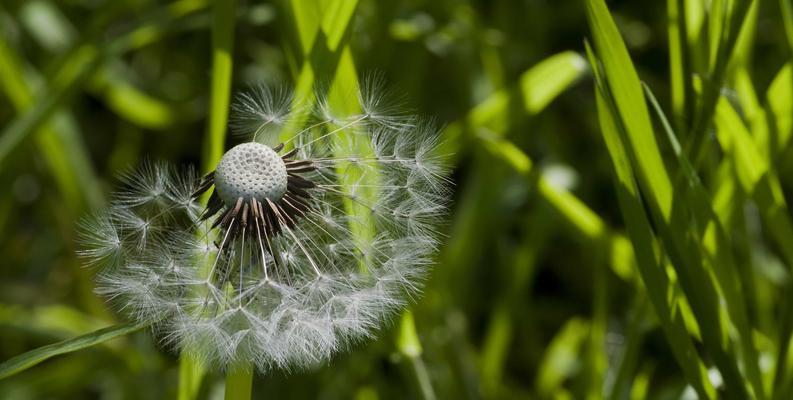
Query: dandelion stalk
{"x": 409, "y": 345}
{"x": 223, "y": 23}
{"x": 190, "y": 374}
{"x": 239, "y": 383}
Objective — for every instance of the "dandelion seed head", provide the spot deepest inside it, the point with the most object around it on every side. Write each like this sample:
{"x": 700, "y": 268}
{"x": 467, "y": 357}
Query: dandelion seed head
{"x": 305, "y": 246}
{"x": 250, "y": 171}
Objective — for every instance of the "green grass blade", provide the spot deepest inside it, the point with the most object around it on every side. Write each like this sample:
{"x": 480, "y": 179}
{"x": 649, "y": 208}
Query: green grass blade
{"x": 670, "y": 213}
{"x": 474, "y": 213}
{"x": 786, "y": 8}
{"x": 334, "y": 22}
{"x": 575, "y": 214}
{"x": 756, "y": 176}
{"x": 191, "y": 373}
{"x": 779, "y": 109}
{"x": 333, "y": 58}
{"x": 718, "y": 246}
{"x": 82, "y": 65}
{"x": 48, "y": 26}
{"x": 623, "y": 83}
{"x": 679, "y": 63}
{"x": 726, "y": 26}
{"x": 137, "y": 106}
{"x": 223, "y": 23}
{"x": 649, "y": 263}
{"x": 758, "y": 179}
{"x": 24, "y": 361}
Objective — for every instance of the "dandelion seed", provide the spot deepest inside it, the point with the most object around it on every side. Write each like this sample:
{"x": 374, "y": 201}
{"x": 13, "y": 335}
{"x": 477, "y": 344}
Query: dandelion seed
{"x": 303, "y": 248}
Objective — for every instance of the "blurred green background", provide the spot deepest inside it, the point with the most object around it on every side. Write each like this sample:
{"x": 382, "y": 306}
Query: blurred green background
{"x": 533, "y": 295}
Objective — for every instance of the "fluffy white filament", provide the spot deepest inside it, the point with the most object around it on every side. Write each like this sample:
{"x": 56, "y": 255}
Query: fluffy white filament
{"x": 356, "y": 257}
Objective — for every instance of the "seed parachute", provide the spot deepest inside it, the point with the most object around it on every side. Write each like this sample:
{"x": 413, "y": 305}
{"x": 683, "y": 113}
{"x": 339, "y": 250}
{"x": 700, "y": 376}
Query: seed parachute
{"x": 309, "y": 240}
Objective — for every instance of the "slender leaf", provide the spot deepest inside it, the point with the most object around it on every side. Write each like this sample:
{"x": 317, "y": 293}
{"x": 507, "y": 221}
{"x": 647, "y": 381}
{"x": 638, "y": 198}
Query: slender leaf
{"x": 649, "y": 262}
{"x": 24, "y": 361}
{"x": 671, "y": 216}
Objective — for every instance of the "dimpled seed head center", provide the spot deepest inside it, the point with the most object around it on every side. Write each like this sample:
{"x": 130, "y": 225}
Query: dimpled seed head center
{"x": 250, "y": 170}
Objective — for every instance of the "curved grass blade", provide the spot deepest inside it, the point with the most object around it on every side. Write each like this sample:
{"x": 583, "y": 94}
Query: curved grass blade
{"x": 24, "y": 361}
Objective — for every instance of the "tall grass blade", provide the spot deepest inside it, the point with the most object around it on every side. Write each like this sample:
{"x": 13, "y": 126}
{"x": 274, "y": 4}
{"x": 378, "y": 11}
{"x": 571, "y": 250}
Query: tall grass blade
{"x": 26, "y": 360}
{"x": 648, "y": 260}
{"x": 718, "y": 247}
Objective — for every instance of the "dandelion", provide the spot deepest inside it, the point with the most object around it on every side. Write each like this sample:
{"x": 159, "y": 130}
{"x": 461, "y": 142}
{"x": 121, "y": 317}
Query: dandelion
{"x": 305, "y": 246}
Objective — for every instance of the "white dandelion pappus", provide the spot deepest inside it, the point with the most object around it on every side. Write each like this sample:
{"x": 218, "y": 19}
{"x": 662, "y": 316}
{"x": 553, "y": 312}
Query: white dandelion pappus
{"x": 303, "y": 248}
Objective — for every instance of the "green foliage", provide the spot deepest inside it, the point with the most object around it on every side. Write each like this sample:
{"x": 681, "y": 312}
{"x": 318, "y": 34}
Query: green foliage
{"x": 620, "y": 226}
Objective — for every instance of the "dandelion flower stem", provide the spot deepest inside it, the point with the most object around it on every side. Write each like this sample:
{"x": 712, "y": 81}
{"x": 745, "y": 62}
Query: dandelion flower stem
{"x": 239, "y": 382}
{"x": 223, "y": 23}
{"x": 409, "y": 345}
{"x": 190, "y": 373}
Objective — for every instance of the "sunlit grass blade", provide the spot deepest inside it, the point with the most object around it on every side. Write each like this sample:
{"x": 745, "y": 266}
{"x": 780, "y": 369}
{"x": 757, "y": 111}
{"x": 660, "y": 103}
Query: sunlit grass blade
{"x": 758, "y": 179}
{"x": 137, "y": 106}
{"x": 333, "y": 58}
{"x": 670, "y": 213}
{"x": 725, "y": 22}
{"x": 574, "y": 213}
{"x": 648, "y": 261}
{"x": 679, "y": 63}
{"x": 718, "y": 246}
{"x": 787, "y": 20}
{"x": 335, "y": 21}
{"x": 775, "y": 139}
